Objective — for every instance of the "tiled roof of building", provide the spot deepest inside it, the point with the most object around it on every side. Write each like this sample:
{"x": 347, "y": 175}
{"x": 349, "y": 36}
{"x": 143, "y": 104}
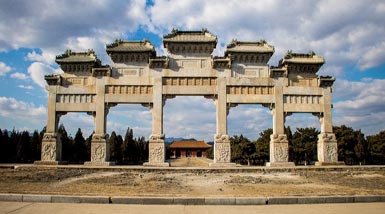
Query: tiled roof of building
{"x": 309, "y": 58}
{"x": 130, "y": 46}
{"x": 249, "y": 47}
{"x": 79, "y": 57}
{"x": 190, "y": 36}
{"x": 189, "y": 145}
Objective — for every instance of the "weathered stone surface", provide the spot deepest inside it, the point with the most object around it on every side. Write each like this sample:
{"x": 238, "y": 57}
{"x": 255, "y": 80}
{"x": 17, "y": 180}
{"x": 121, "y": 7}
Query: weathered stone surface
{"x": 282, "y": 200}
{"x": 139, "y": 76}
{"x": 189, "y": 201}
{"x": 37, "y": 198}
{"x": 250, "y": 200}
{"x": 11, "y": 197}
{"x": 220, "y": 201}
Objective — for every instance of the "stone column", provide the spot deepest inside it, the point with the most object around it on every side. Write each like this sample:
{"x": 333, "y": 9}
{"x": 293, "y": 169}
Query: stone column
{"x": 51, "y": 148}
{"x": 327, "y": 148}
{"x": 100, "y": 149}
{"x": 279, "y": 145}
{"x": 157, "y": 149}
{"x": 222, "y": 150}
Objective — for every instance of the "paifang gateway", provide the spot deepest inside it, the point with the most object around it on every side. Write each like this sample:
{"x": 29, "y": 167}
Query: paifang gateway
{"x": 139, "y": 76}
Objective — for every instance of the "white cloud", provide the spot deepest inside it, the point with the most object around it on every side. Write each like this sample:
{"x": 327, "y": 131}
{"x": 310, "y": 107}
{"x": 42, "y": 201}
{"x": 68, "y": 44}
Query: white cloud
{"x": 364, "y": 107}
{"x": 28, "y": 87}
{"x": 19, "y": 110}
{"x": 18, "y": 75}
{"x": 38, "y": 70}
{"x": 4, "y": 68}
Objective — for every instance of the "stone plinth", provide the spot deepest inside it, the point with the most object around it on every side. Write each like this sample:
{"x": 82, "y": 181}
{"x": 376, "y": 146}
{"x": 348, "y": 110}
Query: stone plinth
{"x": 51, "y": 150}
{"x": 222, "y": 152}
{"x": 100, "y": 152}
{"x": 327, "y": 150}
{"x": 157, "y": 152}
{"x": 279, "y": 151}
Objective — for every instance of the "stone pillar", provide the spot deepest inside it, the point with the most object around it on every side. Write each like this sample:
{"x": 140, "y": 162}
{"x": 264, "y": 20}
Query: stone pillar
{"x": 51, "y": 148}
{"x": 157, "y": 149}
{"x": 100, "y": 149}
{"x": 327, "y": 148}
{"x": 222, "y": 150}
{"x": 279, "y": 145}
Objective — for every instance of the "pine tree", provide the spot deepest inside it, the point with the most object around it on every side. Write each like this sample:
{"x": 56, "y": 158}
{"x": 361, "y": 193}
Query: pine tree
{"x": 263, "y": 147}
{"x": 79, "y": 147}
{"x": 129, "y": 150}
{"x": 35, "y": 146}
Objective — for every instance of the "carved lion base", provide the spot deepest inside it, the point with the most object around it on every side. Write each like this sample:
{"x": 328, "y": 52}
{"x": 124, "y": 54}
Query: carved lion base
{"x": 100, "y": 152}
{"x": 279, "y": 151}
{"x": 327, "y": 150}
{"x": 157, "y": 152}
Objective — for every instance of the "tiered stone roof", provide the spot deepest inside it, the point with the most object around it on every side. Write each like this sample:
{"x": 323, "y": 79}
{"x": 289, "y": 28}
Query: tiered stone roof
{"x": 130, "y": 46}
{"x": 77, "y": 57}
{"x": 190, "y": 41}
{"x": 300, "y": 58}
{"x": 249, "y": 47}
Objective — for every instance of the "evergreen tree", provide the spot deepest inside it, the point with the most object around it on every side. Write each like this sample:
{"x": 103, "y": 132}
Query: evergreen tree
{"x": 23, "y": 148}
{"x": 79, "y": 147}
{"x": 376, "y": 148}
{"x": 130, "y": 155}
{"x": 6, "y": 147}
{"x": 304, "y": 144}
{"x": 115, "y": 147}
{"x": 35, "y": 146}
{"x": 66, "y": 142}
{"x": 13, "y": 141}
{"x": 263, "y": 147}
{"x": 351, "y": 144}
{"x": 3, "y": 146}
{"x": 88, "y": 146}
{"x": 244, "y": 150}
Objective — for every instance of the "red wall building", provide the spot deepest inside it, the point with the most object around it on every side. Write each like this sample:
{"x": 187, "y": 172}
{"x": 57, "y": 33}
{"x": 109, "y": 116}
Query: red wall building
{"x": 183, "y": 149}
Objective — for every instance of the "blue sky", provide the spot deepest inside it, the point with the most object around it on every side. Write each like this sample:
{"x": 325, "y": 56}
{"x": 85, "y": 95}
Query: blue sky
{"x": 349, "y": 34}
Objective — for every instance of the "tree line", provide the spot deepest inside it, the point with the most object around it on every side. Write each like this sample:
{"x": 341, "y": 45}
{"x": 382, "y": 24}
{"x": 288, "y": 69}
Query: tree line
{"x": 353, "y": 147}
{"x": 24, "y": 147}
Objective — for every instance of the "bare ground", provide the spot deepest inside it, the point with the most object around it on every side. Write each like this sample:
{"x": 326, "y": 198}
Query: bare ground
{"x": 192, "y": 182}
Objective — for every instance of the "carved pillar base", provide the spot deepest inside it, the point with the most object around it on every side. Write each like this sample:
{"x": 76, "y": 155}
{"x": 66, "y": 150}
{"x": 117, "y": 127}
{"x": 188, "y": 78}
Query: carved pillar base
{"x": 279, "y": 151}
{"x": 327, "y": 150}
{"x": 51, "y": 150}
{"x": 100, "y": 152}
{"x": 222, "y": 152}
{"x": 157, "y": 152}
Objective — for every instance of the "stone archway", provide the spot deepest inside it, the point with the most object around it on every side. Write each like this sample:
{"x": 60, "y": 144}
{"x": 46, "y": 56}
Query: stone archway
{"x": 241, "y": 76}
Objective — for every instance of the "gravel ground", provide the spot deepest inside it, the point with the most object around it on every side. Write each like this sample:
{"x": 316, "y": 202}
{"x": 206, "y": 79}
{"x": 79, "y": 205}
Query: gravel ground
{"x": 194, "y": 182}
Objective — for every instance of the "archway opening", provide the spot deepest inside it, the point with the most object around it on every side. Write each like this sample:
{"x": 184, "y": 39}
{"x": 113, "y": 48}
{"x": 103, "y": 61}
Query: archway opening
{"x": 249, "y": 126}
{"x": 189, "y": 118}
{"x": 128, "y": 128}
{"x": 303, "y": 137}
{"x": 75, "y": 132}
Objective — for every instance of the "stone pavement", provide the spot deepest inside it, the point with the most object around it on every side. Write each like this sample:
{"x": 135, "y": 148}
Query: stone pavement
{"x": 62, "y": 208}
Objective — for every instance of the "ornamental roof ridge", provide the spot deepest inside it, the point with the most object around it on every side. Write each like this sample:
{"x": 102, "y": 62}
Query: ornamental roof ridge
{"x": 260, "y": 46}
{"x": 133, "y": 45}
{"x": 309, "y": 58}
{"x": 178, "y": 36}
{"x": 70, "y": 56}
